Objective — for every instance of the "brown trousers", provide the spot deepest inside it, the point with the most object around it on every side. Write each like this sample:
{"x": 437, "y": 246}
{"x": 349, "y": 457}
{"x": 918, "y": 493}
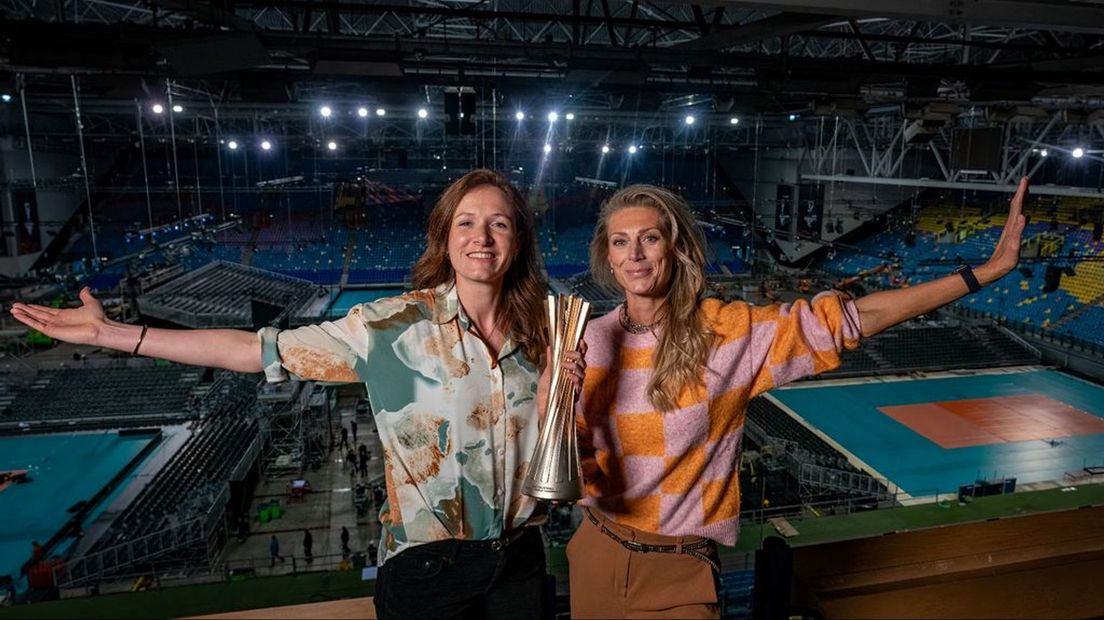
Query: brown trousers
{"x": 609, "y": 581}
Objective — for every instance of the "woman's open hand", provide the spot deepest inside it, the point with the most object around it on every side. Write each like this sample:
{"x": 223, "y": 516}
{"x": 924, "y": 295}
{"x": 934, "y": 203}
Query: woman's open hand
{"x": 1007, "y": 253}
{"x": 80, "y": 325}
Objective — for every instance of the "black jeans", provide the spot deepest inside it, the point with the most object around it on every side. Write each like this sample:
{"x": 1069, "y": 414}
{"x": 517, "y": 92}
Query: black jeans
{"x": 465, "y": 579}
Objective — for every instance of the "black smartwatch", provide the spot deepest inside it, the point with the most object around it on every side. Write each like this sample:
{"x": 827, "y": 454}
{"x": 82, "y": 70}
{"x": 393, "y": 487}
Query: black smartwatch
{"x": 969, "y": 278}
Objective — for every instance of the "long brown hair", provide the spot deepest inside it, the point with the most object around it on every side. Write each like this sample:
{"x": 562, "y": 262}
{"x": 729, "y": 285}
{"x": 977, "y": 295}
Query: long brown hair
{"x": 684, "y": 340}
{"x": 523, "y": 288}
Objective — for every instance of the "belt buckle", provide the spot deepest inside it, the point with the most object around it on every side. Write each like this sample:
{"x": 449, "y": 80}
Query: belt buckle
{"x": 498, "y": 544}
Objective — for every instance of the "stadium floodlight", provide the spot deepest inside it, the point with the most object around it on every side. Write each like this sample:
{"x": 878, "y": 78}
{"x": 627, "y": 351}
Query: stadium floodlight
{"x": 422, "y": 113}
{"x": 689, "y": 120}
{"x": 547, "y": 149}
{"x": 519, "y": 115}
{"x": 178, "y": 108}
{"x": 331, "y": 145}
{"x": 793, "y": 117}
{"x": 1078, "y": 153}
{"x": 325, "y": 111}
{"x": 733, "y": 121}
{"x": 266, "y": 145}
{"x": 632, "y": 149}
{"x": 605, "y": 149}
{"x": 570, "y": 116}
{"x": 362, "y": 112}
{"x": 232, "y": 145}
{"x": 158, "y": 108}
{"x": 553, "y": 117}
{"x": 381, "y": 112}
{"x": 6, "y": 97}
{"x": 1044, "y": 153}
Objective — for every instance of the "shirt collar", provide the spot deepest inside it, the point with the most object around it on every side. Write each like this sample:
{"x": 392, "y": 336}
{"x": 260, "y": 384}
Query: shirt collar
{"x": 447, "y": 307}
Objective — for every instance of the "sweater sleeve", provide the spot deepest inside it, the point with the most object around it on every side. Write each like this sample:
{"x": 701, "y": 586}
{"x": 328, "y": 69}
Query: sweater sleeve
{"x": 800, "y": 339}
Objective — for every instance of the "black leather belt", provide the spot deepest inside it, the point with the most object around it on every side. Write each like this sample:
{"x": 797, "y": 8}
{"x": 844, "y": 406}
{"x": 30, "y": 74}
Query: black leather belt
{"x": 701, "y": 550}
{"x": 498, "y": 544}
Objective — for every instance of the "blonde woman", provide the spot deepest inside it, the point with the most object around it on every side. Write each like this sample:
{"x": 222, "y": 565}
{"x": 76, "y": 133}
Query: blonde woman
{"x": 669, "y": 375}
{"x": 451, "y": 373}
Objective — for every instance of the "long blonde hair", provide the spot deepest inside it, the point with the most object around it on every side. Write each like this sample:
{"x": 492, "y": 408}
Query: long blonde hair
{"x": 684, "y": 340}
{"x": 523, "y": 288}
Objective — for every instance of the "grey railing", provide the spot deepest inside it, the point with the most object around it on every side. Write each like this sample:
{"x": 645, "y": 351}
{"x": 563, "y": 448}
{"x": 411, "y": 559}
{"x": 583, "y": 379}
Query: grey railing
{"x": 121, "y": 558}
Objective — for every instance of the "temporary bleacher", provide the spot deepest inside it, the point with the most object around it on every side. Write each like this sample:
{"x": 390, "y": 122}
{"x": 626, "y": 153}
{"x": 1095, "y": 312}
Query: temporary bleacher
{"x": 935, "y": 346}
{"x": 776, "y": 423}
{"x": 105, "y": 396}
{"x": 221, "y": 294}
{"x": 819, "y": 469}
{"x": 173, "y": 517}
{"x": 177, "y": 490}
{"x": 859, "y": 362}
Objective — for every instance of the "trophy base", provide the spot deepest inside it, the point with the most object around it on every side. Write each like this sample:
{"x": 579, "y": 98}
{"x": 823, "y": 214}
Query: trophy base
{"x": 555, "y": 491}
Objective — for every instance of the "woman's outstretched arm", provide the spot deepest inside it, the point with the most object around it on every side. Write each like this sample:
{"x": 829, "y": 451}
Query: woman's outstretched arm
{"x": 87, "y": 324}
{"x": 882, "y": 310}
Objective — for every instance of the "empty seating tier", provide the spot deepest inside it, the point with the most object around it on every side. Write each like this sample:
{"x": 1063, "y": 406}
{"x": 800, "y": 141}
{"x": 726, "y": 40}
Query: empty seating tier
{"x": 222, "y": 295}
{"x": 148, "y": 393}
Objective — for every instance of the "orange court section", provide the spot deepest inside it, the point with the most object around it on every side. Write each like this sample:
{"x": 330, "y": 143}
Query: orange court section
{"x": 985, "y": 421}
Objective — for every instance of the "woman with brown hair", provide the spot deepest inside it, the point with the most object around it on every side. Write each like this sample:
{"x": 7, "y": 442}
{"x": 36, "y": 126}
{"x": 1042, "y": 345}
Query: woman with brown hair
{"x": 669, "y": 376}
{"x": 451, "y": 374}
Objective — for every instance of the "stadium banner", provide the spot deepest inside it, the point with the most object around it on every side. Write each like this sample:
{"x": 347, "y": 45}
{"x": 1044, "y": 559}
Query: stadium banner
{"x": 810, "y": 217}
{"x": 783, "y": 214}
{"x": 27, "y": 237}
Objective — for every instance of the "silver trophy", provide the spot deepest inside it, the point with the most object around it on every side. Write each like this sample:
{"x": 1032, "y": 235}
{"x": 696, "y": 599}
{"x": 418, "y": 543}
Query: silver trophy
{"x": 554, "y": 471}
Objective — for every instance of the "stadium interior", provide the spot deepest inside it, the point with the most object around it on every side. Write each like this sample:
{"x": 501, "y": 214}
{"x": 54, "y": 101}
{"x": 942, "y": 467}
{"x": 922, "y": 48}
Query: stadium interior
{"x": 255, "y": 163}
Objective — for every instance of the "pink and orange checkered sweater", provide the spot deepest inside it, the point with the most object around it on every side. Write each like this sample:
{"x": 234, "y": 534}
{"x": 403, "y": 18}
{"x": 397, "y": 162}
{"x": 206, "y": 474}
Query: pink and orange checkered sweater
{"x": 676, "y": 472}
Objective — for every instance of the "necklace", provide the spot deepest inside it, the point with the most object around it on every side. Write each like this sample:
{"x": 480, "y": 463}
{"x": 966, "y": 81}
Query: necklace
{"x": 479, "y": 332}
{"x": 632, "y": 326}
{"x": 474, "y": 326}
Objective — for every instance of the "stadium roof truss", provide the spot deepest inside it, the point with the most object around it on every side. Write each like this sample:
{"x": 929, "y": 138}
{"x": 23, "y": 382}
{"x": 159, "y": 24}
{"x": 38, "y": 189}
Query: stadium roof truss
{"x": 873, "y": 78}
{"x": 717, "y": 45}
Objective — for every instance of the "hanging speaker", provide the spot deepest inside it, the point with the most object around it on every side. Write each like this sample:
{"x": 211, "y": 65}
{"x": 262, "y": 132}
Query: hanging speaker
{"x": 452, "y": 113}
{"x": 467, "y": 113}
{"x": 977, "y": 150}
